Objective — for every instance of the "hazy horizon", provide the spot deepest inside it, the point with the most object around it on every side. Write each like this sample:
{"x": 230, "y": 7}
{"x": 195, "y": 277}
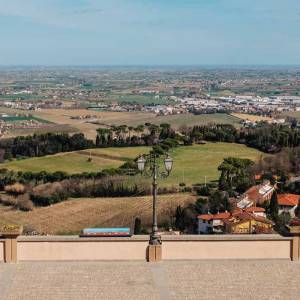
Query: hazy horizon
{"x": 149, "y": 33}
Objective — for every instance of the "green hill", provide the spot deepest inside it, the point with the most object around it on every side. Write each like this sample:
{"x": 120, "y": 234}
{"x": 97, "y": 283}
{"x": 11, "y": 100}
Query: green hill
{"x": 191, "y": 163}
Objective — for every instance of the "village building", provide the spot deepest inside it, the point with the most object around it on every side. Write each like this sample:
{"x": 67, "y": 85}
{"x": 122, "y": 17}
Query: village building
{"x": 246, "y": 222}
{"x": 249, "y": 220}
{"x": 257, "y": 211}
{"x": 257, "y": 194}
{"x": 287, "y": 203}
{"x": 210, "y": 223}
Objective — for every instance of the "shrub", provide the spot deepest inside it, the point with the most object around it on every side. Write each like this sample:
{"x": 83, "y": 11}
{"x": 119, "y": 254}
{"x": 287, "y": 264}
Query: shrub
{"x": 21, "y": 202}
{"x": 8, "y": 200}
{"x": 203, "y": 190}
{"x": 15, "y": 189}
{"x": 24, "y": 203}
{"x": 187, "y": 189}
{"x": 49, "y": 193}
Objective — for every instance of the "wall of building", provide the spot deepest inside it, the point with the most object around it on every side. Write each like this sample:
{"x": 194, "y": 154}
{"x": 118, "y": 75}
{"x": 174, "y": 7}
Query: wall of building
{"x": 173, "y": 247}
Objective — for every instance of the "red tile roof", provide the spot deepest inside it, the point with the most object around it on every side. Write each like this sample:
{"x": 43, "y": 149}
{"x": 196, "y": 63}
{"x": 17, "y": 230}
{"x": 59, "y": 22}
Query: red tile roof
{"x": 205, "y": 217}
{"x": 219, "y": 216}
{"x": 255, "y": 209}
{"x": 288, "y": 199}
{"x": 257, "y": 177}
{"x": 247, "y": 216}
{"x": 237, "y": 211}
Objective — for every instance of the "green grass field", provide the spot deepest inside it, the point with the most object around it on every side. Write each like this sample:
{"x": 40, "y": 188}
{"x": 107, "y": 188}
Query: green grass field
{"x": 178, "y": 121}
{"x": 67, "y": 162}
{"x": 191, "y": 163}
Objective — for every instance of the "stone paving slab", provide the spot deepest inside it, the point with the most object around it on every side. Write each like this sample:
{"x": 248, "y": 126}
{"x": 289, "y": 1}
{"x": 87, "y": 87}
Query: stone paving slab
{"x": 235, "y": 279}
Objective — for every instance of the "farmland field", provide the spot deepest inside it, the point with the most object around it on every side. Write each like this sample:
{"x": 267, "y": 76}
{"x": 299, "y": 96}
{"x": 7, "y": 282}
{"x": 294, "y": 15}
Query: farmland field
{"x": 107, "y": 118}
{"x": 53, "y": 128}
{"x": 252, "y": 118}
{"x": 142, "y": 99}
{"x": 178, "y": 121}
{"x": 191, "y": 163}
{"x": 73, "y": 215}
{"x": 292, "y": 114}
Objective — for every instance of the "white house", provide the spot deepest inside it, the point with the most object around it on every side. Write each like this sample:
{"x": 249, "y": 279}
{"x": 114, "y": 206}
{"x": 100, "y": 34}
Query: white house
{"x": 212, "y": 223}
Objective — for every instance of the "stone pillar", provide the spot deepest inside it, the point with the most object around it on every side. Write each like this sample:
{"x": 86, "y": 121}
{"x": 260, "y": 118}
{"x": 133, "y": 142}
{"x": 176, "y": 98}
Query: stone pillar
{"x": 294, "y": 231}
{"x": 10, "y": 234}
{"x": 295, "y": 248}
{"x": 154, "y": 253}
{"x": 10, "y": 250}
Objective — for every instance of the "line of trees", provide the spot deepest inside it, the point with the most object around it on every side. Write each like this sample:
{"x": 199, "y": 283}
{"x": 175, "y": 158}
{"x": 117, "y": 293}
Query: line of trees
{"x": 124, "y": 136}
{"x": 116, "y": 136}
{"x": 8, "y": 177}
{"x": 269, "y": 138}
{"x": 43, "y": 144}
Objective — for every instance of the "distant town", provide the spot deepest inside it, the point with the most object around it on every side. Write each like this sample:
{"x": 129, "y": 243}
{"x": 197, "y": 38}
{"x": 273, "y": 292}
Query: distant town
{"x": 271, "y": 95}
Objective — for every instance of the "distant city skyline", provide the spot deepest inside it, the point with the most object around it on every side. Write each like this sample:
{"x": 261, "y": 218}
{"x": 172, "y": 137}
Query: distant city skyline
{"x": 149, "y": 32}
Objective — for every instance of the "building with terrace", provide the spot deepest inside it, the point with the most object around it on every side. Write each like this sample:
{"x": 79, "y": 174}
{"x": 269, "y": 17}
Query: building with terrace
{"x": 257, "y": 194}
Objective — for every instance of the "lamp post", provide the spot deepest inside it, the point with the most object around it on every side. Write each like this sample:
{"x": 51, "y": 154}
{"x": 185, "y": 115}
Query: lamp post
{"x": 150, "y": 167}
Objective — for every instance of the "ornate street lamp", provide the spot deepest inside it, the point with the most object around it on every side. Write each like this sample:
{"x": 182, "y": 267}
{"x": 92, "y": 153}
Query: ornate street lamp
{"x": 150, "y": 167}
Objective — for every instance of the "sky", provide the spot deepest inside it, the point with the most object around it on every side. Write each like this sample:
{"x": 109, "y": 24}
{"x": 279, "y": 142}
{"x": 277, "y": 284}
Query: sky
{"x": 149, "y": 32}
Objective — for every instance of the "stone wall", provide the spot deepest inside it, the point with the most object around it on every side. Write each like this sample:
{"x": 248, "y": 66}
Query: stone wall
{"x": 60, "y": 248}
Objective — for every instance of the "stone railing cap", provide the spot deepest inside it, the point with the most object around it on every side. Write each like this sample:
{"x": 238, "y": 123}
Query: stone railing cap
{"x": 143, "y": 238}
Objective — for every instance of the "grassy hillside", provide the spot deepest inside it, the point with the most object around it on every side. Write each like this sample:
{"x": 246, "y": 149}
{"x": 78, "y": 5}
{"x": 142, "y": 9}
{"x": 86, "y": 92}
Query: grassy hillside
{"x": 74, "y": 215}
{"x": 191, "y": 163}
{"x": 77, "y": 162}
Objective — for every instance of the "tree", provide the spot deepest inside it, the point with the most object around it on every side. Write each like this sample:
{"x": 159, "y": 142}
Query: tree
{"x": 235, "y": 172}
{"x": 273, "y": 208}
{"x": 137, "y": 226}
{"x": 180, "y": 218}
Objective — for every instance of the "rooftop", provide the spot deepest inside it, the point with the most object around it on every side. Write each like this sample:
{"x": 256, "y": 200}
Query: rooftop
{"x": 219, "y": 216}
{"x": 288, "y": 199}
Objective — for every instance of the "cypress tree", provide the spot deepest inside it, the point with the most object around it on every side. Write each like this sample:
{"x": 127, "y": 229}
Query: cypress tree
{"x": 273, "y": 208}
{"x": 137, "y": 226}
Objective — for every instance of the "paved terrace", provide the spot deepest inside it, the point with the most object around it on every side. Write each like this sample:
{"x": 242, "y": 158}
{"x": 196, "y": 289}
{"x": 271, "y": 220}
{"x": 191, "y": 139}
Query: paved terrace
{"x": 215, "y": 279}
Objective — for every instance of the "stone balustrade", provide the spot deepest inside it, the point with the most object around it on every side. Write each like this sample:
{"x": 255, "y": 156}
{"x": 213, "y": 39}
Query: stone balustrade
{"x": 183, "y": 247}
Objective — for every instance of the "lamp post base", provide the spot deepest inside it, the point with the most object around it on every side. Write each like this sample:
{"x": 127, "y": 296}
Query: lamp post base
{"x": 154, "y": 253}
